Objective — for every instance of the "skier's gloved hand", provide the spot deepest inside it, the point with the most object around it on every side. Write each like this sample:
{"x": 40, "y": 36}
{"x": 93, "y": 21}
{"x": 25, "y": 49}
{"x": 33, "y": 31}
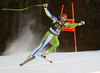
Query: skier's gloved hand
{"x": 45, "y": 5}
{"x": 82, "y": 22}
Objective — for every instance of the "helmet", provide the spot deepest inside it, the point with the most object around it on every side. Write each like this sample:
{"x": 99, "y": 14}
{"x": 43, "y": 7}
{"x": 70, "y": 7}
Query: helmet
{"x": 63, "y": 16}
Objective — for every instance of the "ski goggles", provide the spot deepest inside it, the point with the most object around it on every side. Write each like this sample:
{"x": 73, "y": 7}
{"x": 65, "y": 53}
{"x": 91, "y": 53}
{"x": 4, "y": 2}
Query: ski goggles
{"x": 62, "y": 18}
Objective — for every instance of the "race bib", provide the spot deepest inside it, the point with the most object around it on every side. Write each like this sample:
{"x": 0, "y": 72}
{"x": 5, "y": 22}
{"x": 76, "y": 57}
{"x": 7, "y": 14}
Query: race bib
{"x": 56, "y": 28}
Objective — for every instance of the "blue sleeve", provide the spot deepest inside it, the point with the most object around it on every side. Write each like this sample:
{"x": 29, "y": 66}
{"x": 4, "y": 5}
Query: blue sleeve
{"x": 50, "y": 15}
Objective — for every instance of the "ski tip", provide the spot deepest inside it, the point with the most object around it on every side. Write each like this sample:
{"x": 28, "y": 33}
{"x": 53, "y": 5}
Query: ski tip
{"x": 51, "y": 62}
{"x": 21, "y": 64}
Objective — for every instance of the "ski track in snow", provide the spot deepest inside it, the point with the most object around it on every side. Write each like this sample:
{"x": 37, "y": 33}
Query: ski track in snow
{"x": 73, "y": 62}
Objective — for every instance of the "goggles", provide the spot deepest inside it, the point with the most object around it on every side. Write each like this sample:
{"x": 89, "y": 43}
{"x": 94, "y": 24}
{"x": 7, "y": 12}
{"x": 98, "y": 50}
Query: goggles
{"x": 62, "y": 18}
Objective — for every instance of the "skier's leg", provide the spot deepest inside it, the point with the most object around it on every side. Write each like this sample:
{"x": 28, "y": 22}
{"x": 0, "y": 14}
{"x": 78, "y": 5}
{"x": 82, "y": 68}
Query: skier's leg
{"x": 37, "y": 49}
{"x": 48, "y": 36}
{"x": 55, "y": 42}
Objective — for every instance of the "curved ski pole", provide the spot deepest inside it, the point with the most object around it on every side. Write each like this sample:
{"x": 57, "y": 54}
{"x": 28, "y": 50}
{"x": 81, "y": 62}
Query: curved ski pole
{"x": 21, "y": 9}
{"x": 16, "y": 9}
{"x": 35, "y": 5}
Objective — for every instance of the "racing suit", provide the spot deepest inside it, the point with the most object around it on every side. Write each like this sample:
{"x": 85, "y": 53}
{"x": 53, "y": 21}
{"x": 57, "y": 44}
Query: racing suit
{"x": 52, "y": 33}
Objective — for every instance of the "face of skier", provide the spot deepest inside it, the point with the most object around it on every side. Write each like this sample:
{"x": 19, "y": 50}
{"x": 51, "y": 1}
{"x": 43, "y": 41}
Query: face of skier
{"x": 63, "y": 19}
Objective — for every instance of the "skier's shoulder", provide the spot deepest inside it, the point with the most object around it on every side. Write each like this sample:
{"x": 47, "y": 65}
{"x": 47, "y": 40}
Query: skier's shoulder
{"x": 55, "y": 19}
{"x": 67, "y": 22}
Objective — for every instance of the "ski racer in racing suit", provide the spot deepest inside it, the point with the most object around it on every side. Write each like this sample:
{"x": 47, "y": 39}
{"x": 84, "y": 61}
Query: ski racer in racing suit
{"x": 53, "y": 32}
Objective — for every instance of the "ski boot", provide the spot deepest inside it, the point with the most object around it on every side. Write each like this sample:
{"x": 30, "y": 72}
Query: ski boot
{"x": 45, "y": 54}
{"x": 30, "y": 57}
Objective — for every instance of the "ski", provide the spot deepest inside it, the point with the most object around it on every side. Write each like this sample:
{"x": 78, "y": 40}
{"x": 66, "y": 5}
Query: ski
{"x": 44, "y": 58}
{"x": 26, "y": 61}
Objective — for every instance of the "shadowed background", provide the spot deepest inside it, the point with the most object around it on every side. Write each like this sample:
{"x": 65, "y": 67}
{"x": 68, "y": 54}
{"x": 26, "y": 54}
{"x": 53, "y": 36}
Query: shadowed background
{"x": 23, "y": 30}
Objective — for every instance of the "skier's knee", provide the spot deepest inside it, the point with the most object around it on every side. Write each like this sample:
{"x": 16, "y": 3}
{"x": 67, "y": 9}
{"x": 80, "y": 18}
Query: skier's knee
{"x": 56, "y": 44}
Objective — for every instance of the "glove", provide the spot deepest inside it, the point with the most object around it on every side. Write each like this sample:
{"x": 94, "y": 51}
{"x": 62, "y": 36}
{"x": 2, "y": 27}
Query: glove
{"x": 82, "y": 22}
{"x": 45, "y": 5}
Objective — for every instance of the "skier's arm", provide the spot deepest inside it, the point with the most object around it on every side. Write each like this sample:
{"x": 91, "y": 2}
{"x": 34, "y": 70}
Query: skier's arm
{"x": 75, "y": 24}
{"x": 49, "y": 14}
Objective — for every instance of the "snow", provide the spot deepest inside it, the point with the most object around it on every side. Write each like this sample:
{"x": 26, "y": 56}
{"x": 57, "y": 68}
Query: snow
{"x": 63, "y": 62}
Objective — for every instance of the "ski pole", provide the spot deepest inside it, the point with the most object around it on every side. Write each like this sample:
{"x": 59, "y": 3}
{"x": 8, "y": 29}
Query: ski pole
{"x": 22, "y": 9}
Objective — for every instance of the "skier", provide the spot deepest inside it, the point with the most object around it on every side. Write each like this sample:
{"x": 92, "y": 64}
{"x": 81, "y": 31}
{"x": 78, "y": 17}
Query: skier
{"x": 53, "y": 32}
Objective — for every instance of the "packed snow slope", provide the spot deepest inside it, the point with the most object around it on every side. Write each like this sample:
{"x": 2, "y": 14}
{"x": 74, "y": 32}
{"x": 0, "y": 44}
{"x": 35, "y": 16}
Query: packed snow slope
{"x": 73, "y": 62}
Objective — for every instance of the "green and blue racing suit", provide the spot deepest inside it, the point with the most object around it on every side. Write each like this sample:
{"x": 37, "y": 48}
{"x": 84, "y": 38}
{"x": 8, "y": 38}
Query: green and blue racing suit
{"x": 52, "y": 33}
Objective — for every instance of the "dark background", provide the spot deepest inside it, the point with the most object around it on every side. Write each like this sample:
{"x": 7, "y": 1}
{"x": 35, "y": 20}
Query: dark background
{"x": 88, "y": 36}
